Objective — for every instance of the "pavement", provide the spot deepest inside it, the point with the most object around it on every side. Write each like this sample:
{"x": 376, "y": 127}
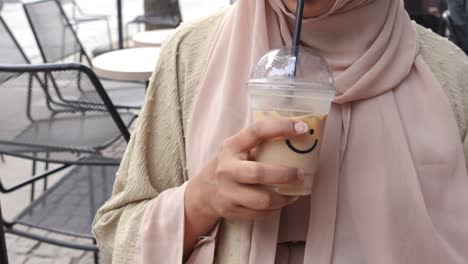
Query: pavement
{"x": 12, "y": 170}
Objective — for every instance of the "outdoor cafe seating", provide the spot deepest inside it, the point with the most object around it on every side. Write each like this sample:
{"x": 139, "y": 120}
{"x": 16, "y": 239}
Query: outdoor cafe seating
{"x": 58, "y": 42}
{"x": 78, "y": 16}
{"x": 48, "y": 123}
{"x": 50, "y": 119}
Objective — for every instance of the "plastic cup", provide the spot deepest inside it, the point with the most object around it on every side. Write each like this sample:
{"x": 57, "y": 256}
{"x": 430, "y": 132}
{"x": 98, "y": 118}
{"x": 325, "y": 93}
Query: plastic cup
{"x": 275, "y": 90}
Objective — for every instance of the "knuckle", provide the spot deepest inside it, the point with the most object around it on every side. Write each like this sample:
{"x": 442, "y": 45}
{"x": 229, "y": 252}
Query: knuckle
{"x": 221, "y": 172}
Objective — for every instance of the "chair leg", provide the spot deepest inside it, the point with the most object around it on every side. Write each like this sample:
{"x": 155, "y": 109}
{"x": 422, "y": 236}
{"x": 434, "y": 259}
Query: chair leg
{"x": 95, "y": 253}
{"x": 33, "y": 186}
{"x": 45, "y": 182}
{"x": 2, "y": 158}
{"x": 3, "y": 248}
{"x": 96, "y": 257}
{"x": 46, "y": 168}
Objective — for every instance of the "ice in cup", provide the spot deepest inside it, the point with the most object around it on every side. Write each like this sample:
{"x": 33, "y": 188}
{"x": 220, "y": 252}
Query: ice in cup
{"x": 276, "y": 91}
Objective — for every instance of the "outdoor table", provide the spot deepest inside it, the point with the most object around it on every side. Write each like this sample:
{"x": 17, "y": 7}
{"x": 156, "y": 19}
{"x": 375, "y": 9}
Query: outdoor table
{"x": 153, "y": 38}
{"x": 135, "y": 64}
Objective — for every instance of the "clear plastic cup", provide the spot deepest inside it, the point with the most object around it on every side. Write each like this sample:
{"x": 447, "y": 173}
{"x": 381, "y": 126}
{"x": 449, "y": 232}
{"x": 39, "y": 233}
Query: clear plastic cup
{"x": 276, "y": 91}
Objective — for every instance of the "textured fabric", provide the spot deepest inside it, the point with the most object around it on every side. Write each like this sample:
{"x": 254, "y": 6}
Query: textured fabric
{"x": 155, "y": 158}
{"x": 389, "y": 190}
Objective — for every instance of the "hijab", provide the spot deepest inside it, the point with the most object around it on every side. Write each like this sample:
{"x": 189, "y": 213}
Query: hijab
{"x": 392, "y": 185}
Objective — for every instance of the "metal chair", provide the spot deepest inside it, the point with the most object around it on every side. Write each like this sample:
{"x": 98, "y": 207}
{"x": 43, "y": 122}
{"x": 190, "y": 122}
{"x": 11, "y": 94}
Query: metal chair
{"x": 78, "y": 16}
{"x": 165, "y": 14}
{"x": 46, "y": 113}
{"x": 10, "y": 50}
{"x": 3, "y": 248}
{"x": 58, "y": 42}
{"x": 38, "y": 126}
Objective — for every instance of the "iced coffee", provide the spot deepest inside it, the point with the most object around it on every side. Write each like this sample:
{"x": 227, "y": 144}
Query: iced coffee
{"x": 301, "y": 152}
{"x": 275, "y": 92}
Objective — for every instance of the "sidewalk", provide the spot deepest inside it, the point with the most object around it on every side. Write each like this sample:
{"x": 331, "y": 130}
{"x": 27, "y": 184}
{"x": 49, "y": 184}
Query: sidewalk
{"x": 26, "y": 251}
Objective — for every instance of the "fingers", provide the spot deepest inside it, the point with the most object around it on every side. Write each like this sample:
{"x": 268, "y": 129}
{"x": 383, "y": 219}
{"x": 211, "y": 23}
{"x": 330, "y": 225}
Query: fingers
{"x": 251, "y": 172}
{"x": 253, "y": 197}
{"x": 249, "y": 137}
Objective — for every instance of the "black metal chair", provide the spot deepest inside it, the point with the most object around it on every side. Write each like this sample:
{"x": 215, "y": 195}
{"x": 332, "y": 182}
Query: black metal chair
{"x": 65, "y": 209}
{"x": 167, "y": 15}
{"x": 3, "y": 248}
{"x": 45, "y": 112}
{"x": 39, "y": 126}
{"x": 10, "y": 50}
{"x": 78, "y": 16}
{"x": 58, "y": 42}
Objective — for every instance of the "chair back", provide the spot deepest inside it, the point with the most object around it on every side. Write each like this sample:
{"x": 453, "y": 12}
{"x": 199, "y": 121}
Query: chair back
{"x": 56, "y": 38}
{"x": 166, "y": 13}
{"x": 59, "y": 110}
{"x": 10, "y": 50}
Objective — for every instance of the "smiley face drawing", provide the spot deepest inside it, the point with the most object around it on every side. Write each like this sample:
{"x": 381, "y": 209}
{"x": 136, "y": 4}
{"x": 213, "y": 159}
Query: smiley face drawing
{"x": 308, "y": 142}
{"x": 300, "y": 151}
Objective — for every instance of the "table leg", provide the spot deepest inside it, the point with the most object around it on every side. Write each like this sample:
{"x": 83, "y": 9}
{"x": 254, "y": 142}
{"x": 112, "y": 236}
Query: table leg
{"x": 120, "y": 23}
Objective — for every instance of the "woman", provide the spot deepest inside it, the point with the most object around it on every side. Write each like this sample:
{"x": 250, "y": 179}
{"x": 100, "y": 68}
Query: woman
{"x": 393, "y": 181}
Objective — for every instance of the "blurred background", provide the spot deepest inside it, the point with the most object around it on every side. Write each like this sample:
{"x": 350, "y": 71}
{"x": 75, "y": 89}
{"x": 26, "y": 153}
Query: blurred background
{"x": 91, "y": 34}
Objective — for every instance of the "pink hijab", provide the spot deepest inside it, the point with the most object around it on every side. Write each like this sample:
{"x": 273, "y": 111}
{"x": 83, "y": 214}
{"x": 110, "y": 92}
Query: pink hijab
{"x": 393, "y": 186}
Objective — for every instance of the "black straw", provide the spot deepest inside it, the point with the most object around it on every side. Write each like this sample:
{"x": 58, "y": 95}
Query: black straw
{"x": 297, "y": 32}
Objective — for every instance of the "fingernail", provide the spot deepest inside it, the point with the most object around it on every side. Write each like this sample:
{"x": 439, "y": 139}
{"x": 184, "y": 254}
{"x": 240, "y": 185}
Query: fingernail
{"x": 300, "y": 175}
{"x": 300, "y": 127}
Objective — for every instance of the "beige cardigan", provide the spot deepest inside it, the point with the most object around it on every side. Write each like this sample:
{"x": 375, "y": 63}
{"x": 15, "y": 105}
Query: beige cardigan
{"x": 155, "y": 157}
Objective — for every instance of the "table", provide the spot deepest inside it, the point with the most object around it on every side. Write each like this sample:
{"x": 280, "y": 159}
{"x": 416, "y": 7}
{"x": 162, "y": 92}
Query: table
{"x": 153, "y": 38}
{"x": 135, "y": 64}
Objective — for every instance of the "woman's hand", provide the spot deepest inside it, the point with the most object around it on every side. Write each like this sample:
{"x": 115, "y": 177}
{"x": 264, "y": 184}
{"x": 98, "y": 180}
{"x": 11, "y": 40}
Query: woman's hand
{"x": 228, "y": 187}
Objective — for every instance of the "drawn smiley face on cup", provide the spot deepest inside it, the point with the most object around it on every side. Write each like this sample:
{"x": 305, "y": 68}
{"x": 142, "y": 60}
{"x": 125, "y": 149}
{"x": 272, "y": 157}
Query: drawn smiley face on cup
{"x": 300, "y": 150}
{"x": 304, "y": 145}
